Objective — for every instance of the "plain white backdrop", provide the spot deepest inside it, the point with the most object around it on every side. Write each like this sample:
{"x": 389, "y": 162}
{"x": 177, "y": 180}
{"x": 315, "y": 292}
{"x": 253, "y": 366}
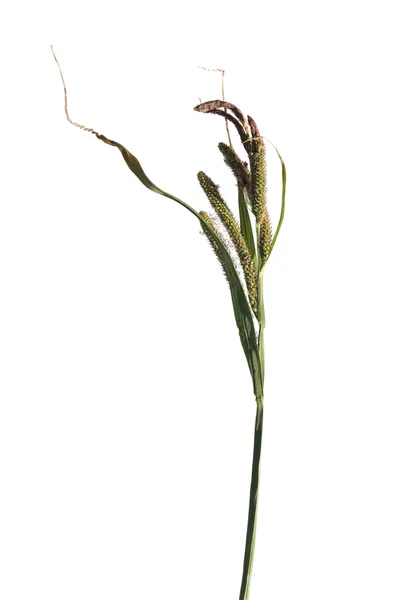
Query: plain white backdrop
{"x": 126, "y": 413}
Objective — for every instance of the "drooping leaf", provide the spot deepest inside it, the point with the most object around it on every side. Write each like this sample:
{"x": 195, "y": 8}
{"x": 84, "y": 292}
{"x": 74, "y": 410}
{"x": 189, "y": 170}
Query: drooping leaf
{"x": 241, "y": 307}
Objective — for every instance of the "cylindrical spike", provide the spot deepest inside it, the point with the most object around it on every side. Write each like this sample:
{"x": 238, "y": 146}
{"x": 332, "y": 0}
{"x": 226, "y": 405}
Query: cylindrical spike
{"x": 228, "y": 220}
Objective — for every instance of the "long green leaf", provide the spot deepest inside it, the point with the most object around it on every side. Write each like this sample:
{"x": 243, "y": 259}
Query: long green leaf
{"x": 242, "y": 311}
{"x": 245, "y": 223}
{"x": 281, "y": 217}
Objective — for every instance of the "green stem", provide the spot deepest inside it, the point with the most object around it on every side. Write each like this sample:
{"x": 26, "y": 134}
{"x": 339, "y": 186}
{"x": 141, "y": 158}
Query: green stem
{"x": 253, "y": 501}
{"x": 258, "y": 429}
{"x": 261, "y": 316}
{"x": 255, "y": 471}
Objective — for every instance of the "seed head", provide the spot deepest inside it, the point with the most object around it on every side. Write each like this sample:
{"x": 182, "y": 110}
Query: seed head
{"x": 265, "y": 238}
{"x": 228, "y": 220}
{"x": 258, "y": 184}
{"x": 211, "y": 240}
{"x": 237, "y": 166}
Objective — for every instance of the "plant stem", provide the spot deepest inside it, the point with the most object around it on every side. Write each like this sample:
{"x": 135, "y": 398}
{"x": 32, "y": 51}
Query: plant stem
{"x": 253, "y": 501}
{"x": 255, "y": 471}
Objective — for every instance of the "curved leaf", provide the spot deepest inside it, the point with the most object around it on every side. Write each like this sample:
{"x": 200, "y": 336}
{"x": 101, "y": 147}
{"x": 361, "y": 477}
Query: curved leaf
{"x": 281, "y": 217}
{"x": 242, "y": 310}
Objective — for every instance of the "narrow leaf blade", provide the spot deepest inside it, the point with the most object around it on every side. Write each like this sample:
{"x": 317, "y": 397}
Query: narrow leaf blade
{"x": 283, "y": 201}
{"x": 245, "y": 223}
{"x": 241, "y": 307}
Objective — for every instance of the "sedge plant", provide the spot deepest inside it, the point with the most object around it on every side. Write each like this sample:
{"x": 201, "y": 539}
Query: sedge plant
{"x": 243, "y": 248}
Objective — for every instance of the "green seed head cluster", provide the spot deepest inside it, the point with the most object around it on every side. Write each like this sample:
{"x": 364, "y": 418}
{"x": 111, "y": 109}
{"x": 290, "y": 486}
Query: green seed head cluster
{"x": 228, "y": 220}
{"x": 258, "y": 195}
{"x": 212, "y": 241}
{"x": 265, "y": 238}
{"x": 258, "y": 186}
{"x": 237, "y": 166}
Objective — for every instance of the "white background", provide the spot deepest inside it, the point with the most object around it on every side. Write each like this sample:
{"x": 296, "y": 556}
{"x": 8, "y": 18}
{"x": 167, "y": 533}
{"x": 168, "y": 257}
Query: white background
{"x": 126, "y": 414}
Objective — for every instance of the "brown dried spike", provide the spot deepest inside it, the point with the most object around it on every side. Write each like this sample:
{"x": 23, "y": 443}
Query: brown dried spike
{"x": 255, "y": 132}
{"x": 240, "y": 129}
{"x": 213, "y": 104}
{"x": 256, "y": 144}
